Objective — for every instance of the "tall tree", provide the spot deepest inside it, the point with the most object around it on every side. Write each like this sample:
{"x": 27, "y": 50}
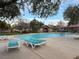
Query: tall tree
{"x": 9, "y": 9}
{"x": 72, "y": 14}
{"x": 22, "y": 25}
{"x": 42, "y": 8}
{"x": 4, "y": 25}
{"x": 61, "y": 24}
{"x": 35, "y": 25}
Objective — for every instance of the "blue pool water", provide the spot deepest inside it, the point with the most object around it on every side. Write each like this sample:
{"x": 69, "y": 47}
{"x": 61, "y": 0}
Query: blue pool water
{"x": 41, "y": 35}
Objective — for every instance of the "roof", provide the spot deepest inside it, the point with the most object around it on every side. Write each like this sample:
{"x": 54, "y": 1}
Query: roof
{"x": 75, "y": 25}
{"x": 45, "y": 26}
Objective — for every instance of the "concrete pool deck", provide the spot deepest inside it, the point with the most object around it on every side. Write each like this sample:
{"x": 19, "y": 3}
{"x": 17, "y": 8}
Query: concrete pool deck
{"x": 56, "y": 48}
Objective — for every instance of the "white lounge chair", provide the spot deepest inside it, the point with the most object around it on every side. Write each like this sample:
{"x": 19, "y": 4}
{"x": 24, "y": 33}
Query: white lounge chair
{"x": 3, "y": 38}
{"x": 35, "y": 42}
{"x": 13, "y": 44}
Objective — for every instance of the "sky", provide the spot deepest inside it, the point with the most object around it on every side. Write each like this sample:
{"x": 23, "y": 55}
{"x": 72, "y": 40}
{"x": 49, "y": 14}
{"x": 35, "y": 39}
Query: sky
{"x": 54, "y": 19}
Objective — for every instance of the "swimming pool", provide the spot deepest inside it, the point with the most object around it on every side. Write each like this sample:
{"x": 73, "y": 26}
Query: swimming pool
{"x": 41, "y": 35}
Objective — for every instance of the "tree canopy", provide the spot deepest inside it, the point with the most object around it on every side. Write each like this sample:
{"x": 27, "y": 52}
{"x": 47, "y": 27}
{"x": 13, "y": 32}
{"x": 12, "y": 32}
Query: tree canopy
{"x": 42, "y": 8}
{"x": 72, "y": 14}
{"x": 9, "y": 9}
{"x": 21, "y": 25}
{"x": 35, "y": 25}
{"x": 4, "y": 25}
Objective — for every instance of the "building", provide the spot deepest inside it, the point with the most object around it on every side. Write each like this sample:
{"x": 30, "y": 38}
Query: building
{"x": 45, "y": 28}
{"x": 74, "y": 28}
{"x": 70, "y": 28}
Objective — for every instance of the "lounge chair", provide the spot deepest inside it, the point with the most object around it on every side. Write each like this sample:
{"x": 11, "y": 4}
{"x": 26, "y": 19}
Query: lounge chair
{"x": 76, "y": 37}
{"x": 13, "y": 44}
{"x": 34, "y": 42}
{"x": 2, "y": 38}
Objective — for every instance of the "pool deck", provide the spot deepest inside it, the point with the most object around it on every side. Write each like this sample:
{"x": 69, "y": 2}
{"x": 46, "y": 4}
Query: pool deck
{"x": 56, "y": 48}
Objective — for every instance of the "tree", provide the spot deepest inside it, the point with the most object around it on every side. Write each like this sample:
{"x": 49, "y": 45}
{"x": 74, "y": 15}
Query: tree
{"x": 61, "y": 24}
{"x": 42, "y": 8}
{"x": 4, "y": 25}
{"x": 45, "y": 8}
{"x": 22, "y": 25}
{"x": 8, "y": 9}
{"x": 72, "y": 14}
{"x": 35, "y": 25}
